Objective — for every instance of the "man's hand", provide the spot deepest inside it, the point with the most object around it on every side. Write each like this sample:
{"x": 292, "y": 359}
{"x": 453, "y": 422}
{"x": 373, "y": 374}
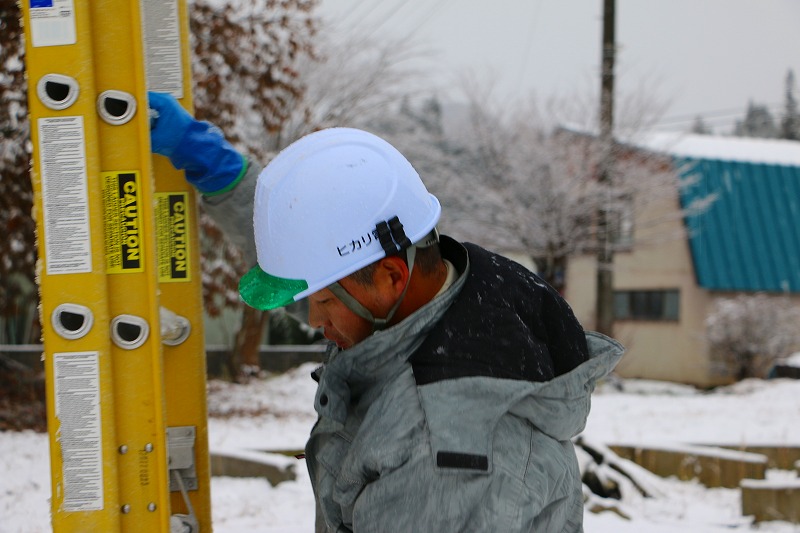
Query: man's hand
{"x": 212, "y": 165}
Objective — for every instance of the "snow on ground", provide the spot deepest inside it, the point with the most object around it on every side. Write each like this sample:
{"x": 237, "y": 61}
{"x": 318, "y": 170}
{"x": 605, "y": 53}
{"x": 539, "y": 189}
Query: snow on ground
{"x": 751, "y": 412}
{"x": 276, "y": 414}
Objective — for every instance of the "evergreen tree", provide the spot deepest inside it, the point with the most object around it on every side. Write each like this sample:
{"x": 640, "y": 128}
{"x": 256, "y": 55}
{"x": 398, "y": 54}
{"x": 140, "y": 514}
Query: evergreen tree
{"x": 758, "y": 122}
{"x": 790, "y": 124}
{"x": 699, "y": 126}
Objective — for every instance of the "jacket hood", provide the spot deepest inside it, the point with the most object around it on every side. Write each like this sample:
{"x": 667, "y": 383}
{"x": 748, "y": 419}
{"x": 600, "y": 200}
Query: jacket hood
{"x": 561, "y": 406}
{"x": 558, "y": 408}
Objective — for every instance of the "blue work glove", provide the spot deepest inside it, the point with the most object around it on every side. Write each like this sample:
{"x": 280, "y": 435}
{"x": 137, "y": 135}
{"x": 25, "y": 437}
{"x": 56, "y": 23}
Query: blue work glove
{"x": 212, "y": 165}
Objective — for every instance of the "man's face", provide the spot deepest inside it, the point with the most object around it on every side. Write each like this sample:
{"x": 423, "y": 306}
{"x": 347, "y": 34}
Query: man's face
{"x": 339, "y": 323}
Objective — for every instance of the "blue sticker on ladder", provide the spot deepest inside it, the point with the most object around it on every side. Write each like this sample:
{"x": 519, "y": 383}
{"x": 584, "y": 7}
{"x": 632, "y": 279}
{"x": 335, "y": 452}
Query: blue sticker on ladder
{"x": 41, "y": 3}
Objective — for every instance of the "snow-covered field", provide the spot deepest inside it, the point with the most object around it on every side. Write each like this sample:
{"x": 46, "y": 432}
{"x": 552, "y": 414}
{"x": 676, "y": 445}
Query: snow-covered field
{"x": 276, "y": 414}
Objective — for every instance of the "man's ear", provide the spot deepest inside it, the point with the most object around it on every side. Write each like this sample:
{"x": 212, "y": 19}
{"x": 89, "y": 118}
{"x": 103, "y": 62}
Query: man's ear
{"x": 392, "y": 274}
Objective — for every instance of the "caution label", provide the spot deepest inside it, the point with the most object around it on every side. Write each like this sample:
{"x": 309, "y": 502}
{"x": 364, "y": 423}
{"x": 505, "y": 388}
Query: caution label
{"x": 77, "y": 392}
{"x": 123, "y": 222}
{"x": 172, "y": 230}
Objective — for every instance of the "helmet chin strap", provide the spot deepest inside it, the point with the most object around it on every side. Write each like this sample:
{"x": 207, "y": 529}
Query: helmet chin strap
{"x": 356, "y": 307}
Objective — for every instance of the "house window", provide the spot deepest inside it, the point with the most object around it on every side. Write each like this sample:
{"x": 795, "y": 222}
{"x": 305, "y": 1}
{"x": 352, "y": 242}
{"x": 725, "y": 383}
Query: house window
{"x": 621, "y": 220}
{"x": 647, "y": 305}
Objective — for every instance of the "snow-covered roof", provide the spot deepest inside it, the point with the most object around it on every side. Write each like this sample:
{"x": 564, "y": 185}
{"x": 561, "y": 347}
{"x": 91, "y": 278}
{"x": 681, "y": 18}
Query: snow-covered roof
{"x": 748, "y": 238}
{"x": 742, "y": 149}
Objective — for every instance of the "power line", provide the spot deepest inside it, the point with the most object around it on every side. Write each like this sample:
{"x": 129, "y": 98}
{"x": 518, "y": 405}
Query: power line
{"x": 721, "y": 112}
{"x": 426, "y": 17}
{"x": 528, "y": 44}
{"x": 386, "y": 16}
{"x": 367, "y": 13}
{"x": 717, "y": 117}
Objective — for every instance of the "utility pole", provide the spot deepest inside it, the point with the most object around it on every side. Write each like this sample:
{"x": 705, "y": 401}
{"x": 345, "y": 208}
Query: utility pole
{"x": 604, "y": 310}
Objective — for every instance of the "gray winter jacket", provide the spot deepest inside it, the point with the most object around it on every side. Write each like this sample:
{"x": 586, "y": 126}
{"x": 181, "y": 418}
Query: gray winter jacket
{"x": 474, "y": 453}
{"x": 477, "y": 450}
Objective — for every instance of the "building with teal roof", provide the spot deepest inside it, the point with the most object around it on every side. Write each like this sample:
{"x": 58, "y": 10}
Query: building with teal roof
{"x": 745, "y": 240}
{"x": 749, "y": 237}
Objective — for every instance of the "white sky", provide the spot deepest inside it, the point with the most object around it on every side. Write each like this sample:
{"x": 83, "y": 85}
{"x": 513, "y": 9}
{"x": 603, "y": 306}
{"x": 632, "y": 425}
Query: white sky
{"x": 707, "y": 57}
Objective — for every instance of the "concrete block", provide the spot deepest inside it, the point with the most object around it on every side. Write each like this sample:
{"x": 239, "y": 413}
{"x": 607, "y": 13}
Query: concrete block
{"x": 778, "y": 456}
{"x": 711, "y": 466}
{"x": 766, "y": 500}
{"x": 243, "y": 463}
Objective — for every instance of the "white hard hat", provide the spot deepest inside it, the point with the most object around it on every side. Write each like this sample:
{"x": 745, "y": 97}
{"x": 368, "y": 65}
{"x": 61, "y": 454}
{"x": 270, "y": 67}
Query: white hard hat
{"x": 328, "y": 205}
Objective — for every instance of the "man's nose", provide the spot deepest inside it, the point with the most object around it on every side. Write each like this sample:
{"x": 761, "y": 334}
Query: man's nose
{"x": 315, "y": 316}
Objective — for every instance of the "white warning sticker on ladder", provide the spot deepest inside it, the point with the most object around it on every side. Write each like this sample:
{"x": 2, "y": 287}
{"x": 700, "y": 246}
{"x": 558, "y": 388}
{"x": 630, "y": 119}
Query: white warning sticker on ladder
{"x": 161, "y": 34}
{"x": 77, "y": 392}
{"x": 52, "y": 22}
{"x": 67, "y": 237}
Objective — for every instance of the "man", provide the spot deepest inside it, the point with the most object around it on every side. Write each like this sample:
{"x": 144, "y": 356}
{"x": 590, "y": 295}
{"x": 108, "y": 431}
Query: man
{"x": 455, "y": 378}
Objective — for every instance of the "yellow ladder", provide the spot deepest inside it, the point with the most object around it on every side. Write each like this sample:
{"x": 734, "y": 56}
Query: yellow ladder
{"x": 119, "y": 274}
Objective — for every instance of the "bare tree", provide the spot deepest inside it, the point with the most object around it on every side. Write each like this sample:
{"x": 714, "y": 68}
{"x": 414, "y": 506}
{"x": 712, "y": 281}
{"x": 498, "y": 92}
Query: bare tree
{"x": 352, "y": 80}
{"x": 535, "y": 188}
{"x": 749, "y": 333}
{"x": 245, "y": 63}
{"x": 509, "y": 179}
